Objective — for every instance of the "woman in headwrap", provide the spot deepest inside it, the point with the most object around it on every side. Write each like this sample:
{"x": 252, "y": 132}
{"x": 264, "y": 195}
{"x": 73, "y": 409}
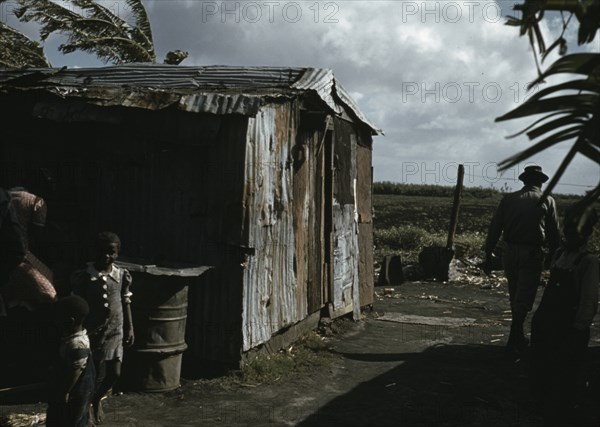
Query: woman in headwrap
{"x": 30, "y": 284}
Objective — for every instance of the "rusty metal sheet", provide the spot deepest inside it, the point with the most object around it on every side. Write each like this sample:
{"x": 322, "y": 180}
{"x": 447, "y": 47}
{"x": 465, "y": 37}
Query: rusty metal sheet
{"x": 346, "y": 291}
{"x": 271, "y": 299}
{"x": 157, "y": 76}
{"x": 347, "y": 100}
{"x": 210, "y": 89}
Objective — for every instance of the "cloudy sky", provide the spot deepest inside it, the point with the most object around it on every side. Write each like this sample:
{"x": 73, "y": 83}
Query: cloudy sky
{"x": 432, "y": 74}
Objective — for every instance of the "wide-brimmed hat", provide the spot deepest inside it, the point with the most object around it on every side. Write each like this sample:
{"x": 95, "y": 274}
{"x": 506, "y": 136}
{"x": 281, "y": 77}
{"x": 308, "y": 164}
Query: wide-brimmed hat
{"x": 533, "y": 173}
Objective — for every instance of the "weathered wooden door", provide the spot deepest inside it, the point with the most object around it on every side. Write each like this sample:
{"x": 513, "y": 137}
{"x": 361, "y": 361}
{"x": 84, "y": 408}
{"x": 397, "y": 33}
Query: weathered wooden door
{"x": 310, "y": 223}
{"x": 343, "y": 229}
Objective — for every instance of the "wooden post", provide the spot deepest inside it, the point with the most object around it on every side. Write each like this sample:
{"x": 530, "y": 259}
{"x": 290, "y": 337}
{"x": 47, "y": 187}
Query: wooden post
{"x": 455, "y": 206}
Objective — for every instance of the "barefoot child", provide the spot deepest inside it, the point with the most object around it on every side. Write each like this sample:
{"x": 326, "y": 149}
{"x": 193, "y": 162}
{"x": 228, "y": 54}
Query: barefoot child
{"x": 106, "y": 289}
{"x": 72, "y": 383}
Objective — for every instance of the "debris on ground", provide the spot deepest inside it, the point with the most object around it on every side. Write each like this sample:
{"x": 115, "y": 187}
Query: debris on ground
{"x": 463, "y": 272}
{"x": 23, "y": 420}
{"x": 468, "y": 272}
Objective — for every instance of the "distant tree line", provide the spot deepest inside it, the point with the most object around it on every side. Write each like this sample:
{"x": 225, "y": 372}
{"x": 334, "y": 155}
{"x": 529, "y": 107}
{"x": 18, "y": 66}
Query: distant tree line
{"x": 431, "y": 190}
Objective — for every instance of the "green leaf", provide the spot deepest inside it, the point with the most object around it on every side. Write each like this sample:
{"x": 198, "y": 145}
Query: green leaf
{"x": 535, "y": 149}
{"x": 575, "y": 85}
{"x": 17, "y": 50}
{"x": 566, "y": 103}
{"x": 575, "y": 63}
{"x": 538, "y": 121}
{"x": 557, "y": 42}
{"x": 560, "y": 171}
{"x": 94, "y": 28}
{"x": 554, "y": 125}
{"x": 513, "y": 21}
{"x": 590, "y": 152}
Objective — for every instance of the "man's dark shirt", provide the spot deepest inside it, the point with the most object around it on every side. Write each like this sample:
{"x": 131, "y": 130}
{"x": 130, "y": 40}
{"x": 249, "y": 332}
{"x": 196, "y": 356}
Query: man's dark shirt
{"x": 524, "y": 220}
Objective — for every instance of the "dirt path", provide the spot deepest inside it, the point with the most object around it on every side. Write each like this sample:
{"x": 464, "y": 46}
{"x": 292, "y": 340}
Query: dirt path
{"x": 429, "y": 373}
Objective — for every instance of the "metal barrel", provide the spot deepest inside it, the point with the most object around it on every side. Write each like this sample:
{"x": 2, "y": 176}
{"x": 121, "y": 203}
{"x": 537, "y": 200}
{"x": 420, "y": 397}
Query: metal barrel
{"x": 159, "y": 311}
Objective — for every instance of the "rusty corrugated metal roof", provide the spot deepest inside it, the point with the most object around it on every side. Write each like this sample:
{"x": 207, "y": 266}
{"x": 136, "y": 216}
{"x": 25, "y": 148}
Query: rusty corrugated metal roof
{"x": 210, "y": 89}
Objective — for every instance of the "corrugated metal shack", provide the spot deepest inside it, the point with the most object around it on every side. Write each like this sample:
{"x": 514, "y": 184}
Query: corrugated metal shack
{"x": 263, "y": 172}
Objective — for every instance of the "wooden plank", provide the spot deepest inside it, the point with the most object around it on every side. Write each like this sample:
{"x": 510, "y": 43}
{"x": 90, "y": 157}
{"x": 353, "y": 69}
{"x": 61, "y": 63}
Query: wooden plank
{"x": 426, "y": 320}
{"x": 455, "y": 206}
{"x": 365, "y": 264}
{"x": 364, "y": 184}
{"x": 22, "y": 388}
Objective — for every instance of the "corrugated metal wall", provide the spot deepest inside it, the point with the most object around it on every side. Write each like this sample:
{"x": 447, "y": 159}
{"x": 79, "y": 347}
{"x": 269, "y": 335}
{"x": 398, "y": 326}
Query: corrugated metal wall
{"x": 169, "y": 183}
{"x": 269, "y": 200}
{"x": 272, "y": 298}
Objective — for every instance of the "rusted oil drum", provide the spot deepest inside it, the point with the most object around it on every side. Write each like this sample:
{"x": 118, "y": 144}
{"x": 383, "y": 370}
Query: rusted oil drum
{"x": 159, "y": 312}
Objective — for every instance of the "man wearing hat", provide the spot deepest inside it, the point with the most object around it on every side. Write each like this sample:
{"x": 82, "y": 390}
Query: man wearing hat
{"x": 527, "y": 222}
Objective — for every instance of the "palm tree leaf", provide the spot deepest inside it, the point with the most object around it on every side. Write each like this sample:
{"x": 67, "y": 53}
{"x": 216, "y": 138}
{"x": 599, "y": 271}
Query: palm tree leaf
{"x": 554, "y": 139}
{"x": 583, "y": 146}
{"x": 570, "y": 110}
{"x": 539, "y": 38}
{"x": 17, "y": 50}
{"x": 52, "y": 17}
{"x": 589, "y": 85}
{"x": 94, "y": 10}
{"x": 538, "y": 121}
{"x": 532, "y": 44}
{"x": 553, "y": 46}
{"x": 513, "y": 21}
{"x": 590, "y": 152}
{"x": 565, "y": 103}
{"x": 142, "y": 21}
{"x": 112, "y": 40}
{"x": 561, "y": 170}
{"x": 555, "y": 124}
{"x": 96, "y": 29}
{"x": 575, "y": 63}
{"x": 588, "y": 26}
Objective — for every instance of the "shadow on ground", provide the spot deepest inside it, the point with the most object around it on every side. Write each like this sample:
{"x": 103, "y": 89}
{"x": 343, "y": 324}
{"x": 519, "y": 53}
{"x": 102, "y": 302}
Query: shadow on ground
{"x": 445, "y": 385}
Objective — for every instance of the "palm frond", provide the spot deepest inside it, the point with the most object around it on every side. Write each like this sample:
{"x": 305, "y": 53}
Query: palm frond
{"x": 538, "y": 121}
{"x": 555, "y": 125}
{"x": 570, "y": 110}
{"x": 579, "y": 104}
{"x": 566, "y": 117}
{"x": 17, "y": 50}
{"x": 537, "y": 148}
{"x": 93, "y": 28}
{"x": 576, "y": 63}
{"x": 142, "y": 22}
{"x": 561, "y": 170}
{"x": 579, "y": 86}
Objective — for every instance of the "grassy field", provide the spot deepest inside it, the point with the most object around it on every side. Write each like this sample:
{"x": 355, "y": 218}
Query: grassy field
{"x": 410, "y": 217}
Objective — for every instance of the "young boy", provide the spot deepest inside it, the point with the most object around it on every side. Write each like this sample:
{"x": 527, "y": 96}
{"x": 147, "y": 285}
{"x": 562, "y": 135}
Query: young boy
{"x": 105, "y": 287}
{"x": 72, "y": 383}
